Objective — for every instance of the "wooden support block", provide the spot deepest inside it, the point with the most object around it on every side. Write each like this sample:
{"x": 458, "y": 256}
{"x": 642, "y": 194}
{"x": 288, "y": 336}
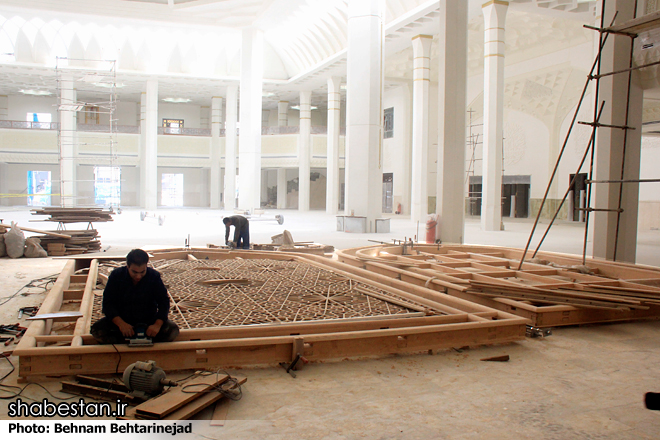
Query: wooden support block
{"x": 504, "y": 358}
{"x": 298, "y": 349}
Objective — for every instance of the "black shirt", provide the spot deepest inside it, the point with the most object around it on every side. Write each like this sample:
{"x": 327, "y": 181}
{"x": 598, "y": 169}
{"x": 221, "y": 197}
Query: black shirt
{"x": 240, "y": 223}
{"x": 141, "y": 303}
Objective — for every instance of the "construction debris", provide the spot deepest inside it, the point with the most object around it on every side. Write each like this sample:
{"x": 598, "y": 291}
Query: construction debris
{"x": 81, "y": 242}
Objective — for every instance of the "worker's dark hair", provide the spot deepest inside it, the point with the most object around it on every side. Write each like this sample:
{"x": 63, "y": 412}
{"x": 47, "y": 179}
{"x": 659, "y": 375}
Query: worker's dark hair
{"x": 137, "y": 257}
{"x": 226, "y": 220}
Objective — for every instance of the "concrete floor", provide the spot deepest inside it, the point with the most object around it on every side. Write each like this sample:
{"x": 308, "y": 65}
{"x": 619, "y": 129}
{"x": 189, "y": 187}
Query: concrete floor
{"x": 581, "y": 382}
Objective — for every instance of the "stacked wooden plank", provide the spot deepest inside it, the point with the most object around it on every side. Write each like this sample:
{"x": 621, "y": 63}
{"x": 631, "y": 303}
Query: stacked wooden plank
{"x": 81, "y": 242}
{"x": 595, "y": 297}
{"x": 183, "y": 402}
{"x": 75, "y": 215}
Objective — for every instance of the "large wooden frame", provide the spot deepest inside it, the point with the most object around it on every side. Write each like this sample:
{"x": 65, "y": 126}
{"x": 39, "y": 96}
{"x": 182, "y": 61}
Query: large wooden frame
{"x": 461, "y": 323}
{"x": 453, "y": 268}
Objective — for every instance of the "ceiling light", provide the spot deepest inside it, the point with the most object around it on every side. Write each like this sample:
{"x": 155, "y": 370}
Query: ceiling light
{"x": 110, "y": 85}
{"x": 177, "y": 100}
{"x": 268, "y": 94}
{"x": 35, "y": 92}
{"x": 71, "y": 107}
{"x": 297, "y": 107}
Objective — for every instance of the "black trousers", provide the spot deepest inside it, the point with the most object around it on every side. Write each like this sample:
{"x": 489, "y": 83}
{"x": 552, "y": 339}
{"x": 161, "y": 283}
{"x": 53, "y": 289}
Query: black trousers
{"x": 243, "y": 239}
{"x": 106, "y": 332}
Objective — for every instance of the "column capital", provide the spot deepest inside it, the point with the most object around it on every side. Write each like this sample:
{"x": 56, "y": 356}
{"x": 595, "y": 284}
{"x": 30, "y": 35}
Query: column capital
{"x": 495, "y": 2}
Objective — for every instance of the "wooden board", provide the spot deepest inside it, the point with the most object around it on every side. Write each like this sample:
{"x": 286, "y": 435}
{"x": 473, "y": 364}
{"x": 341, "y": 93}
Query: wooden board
{"x": 161, "y": 406}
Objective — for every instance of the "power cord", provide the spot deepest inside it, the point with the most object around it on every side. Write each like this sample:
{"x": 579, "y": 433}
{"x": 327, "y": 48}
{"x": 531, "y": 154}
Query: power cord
{"x": 230, "y": 388}
{"x": 43, "y": 284}
{"x": 9, "y": 388}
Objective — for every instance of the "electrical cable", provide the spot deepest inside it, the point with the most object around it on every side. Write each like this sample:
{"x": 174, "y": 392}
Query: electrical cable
{"x": 32, "y": 284}
{"x": 8, "y": 388}
{"x": 230, "y": 388}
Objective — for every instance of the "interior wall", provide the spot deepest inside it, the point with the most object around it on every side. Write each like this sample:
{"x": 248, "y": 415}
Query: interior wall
{"x": 19, "y": 105}
{"x": 190, "y": 114}
{"x": 396, "y": 148}
{"x": 649, "y": 193}
{"x": 195, "y": 185}
{"x": 14, "y": 178}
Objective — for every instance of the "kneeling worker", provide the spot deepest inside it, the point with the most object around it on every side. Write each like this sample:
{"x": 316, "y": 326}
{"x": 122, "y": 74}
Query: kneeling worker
{"x": 241, "y": 231}
{"x": 135, "y": 298}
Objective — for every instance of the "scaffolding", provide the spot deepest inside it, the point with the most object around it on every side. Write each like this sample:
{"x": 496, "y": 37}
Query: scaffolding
{"x": 87, "y": 89}
{"x": 630, "y": 29}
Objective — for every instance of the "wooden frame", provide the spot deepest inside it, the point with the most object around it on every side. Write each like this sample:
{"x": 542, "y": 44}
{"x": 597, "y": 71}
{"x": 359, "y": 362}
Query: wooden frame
{"x": 459, "y": 323}
{"x": 455, "y": 269}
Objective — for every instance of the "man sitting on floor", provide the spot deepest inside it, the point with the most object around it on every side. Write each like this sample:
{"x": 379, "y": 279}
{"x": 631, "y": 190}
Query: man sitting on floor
{"x": 135, "y": 297}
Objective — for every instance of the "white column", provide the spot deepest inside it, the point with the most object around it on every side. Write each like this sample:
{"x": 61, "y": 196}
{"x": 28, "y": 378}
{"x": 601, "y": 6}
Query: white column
{"x": 452, "y": 85}
{"x": 283, "y": 113}
{"x": 216, "y": 123}
{"x": 281, "y": 188}
{"x": 332, "y": 183}
{"x": 364, "y": 110}
{"x": 491, "y": 195}
{"x": 4, "y": 108}
{"x": 230, "y": 148}
{"x": 304, "y": 150}
{"x": 250, "y": 132}
{"x": 610, "y": 146}
{"x": 420, "y": 127}
{"x": 67, "y": 117}
{"x": 204, "y": 116}
{"x": 149, "y": 148}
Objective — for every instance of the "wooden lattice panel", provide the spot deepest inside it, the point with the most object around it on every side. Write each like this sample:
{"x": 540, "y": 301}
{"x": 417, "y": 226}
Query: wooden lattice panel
{"x": 278, "y": 291}
{"x": 552, "y": 289}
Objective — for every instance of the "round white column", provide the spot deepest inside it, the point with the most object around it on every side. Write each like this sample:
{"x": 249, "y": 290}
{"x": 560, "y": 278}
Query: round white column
{"x": 230, "y": 148}
{"x": 283, "y": 113}
{"x": 149, "y": 149}
{"x": 304, "y": 150}
{"x": 249, "y": 153}
{"x": 216, "y": 123}
{"x": 491, "y": 184}
{"x": 420, "y": 127}
{"x": 332, "y": 183}
{"x": 67, "y": 117}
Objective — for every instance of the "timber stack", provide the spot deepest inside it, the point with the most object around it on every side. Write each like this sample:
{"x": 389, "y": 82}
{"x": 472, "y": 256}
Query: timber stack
{"x": 83, "y": 240}
{"x": 75, "y": 215}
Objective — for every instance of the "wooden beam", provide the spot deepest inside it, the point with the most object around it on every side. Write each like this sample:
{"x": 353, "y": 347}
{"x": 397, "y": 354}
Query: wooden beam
{"x": 39, "y": 231}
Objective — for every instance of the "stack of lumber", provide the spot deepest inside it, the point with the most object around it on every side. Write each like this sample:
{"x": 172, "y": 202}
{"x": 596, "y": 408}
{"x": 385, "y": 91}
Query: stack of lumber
{"x": 75, "y": 215}
{"x": 579, "y": 295}
{"x": 81, "y": 242}
{"x": 183, "y": 402}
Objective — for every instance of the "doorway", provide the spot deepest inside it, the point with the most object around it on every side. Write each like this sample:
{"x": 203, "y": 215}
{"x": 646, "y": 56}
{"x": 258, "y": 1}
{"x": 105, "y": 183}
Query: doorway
{"x": 578, "y": 196}
{"x": 39, "y": 187}
{"x": 388, "y": 187}
{"x": 172, "y": 185}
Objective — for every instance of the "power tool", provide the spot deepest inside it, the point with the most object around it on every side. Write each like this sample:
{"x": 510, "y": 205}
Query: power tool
{"x": 140, "y": 339}
{"x": 146, "y": 379}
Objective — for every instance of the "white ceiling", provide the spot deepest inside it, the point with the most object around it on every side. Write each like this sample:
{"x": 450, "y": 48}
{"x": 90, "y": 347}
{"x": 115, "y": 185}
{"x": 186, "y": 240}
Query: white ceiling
{"x": 306, "y": 40}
